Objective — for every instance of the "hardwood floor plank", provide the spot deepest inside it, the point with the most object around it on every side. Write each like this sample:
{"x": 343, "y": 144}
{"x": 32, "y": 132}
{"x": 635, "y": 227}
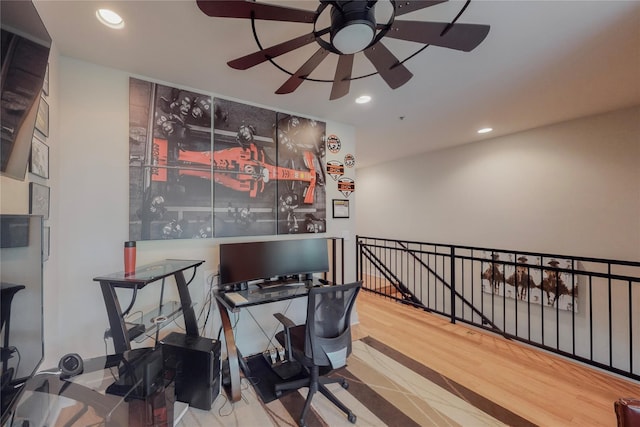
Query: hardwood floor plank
{"x": 542, "y": 387}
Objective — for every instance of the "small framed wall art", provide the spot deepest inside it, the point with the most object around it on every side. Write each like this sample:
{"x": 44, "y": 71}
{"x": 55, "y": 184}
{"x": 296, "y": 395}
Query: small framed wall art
{"x": 39, "y": 164}
{"x": 45, "y": 84}
{"x": 39, "y": 199}
{"x": 340, "y": 208}
{"x": 42, "y": 120}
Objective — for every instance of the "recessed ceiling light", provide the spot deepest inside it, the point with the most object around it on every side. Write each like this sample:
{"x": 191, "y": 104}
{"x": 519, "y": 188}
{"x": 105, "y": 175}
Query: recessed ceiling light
{"x": 110, "y": 18}
{"x": 363, "y": 99}
{"x": 485, "y": 130}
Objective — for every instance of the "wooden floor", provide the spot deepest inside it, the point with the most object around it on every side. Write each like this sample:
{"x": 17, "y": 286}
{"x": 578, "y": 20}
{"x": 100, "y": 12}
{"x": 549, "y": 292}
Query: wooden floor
{"x": 544, "y": 388}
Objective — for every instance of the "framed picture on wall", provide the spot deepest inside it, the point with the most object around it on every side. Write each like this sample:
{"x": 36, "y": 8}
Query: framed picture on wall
{"x": 39, "y": 199}
{"x": 340, "y": 208}
{"x": 39, "y": 164}
{"x": 45, "y": 84}
{"x": 42, "y": 120}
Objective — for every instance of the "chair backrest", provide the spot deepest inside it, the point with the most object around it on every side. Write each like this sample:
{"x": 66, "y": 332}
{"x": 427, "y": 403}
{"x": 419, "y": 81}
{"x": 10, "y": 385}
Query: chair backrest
{"x": 328, "y": 327}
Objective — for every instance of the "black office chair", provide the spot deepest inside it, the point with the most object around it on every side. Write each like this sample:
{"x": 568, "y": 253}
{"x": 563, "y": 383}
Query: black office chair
{"x": 322, "y": 344}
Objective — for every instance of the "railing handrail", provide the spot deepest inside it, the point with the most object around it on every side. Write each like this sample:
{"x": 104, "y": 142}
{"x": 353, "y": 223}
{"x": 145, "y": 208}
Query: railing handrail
{"x": 480, "y": 248}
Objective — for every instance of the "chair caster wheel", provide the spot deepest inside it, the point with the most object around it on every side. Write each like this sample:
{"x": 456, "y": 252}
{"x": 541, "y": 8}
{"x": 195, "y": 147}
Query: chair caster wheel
{"x": 352, "y": 417}
{"x": 278, "y": 394}
{"x": 301, "y": 423}
{"x": 345, "y": 385}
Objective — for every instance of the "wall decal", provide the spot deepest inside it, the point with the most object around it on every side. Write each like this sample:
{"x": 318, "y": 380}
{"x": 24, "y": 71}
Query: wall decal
{"x": 335, "y": 169}
{"x": 333, "y": 144}
{"x": 346, "y": 186}
{"x": 349, "y": 160}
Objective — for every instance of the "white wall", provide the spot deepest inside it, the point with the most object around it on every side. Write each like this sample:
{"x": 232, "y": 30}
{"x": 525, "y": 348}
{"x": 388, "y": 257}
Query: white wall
{"x": 572, "y": 188}
{"x": 90, "y": 192}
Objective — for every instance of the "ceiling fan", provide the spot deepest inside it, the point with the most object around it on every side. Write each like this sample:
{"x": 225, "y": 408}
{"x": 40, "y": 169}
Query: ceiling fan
{"x": 353, "y": 29}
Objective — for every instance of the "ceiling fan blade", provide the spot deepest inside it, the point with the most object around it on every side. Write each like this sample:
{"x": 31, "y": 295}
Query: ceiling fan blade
{"x": 404, "y": 7}
{"x": 261, "y": 56}
{"x": 388, "y": 66}
{"x": 248, "y": 9}
{"x": 303, "y": 72}
{"x": 465, "y": 37}
{"x": 342, "y": 79}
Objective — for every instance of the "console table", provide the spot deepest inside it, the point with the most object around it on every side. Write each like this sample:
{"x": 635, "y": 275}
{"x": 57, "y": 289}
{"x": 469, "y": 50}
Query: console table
{"x": 143, "y": 276}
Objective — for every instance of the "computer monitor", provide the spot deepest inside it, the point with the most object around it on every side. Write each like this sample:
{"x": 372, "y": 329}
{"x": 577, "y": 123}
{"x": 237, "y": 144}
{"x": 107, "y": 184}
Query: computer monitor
{"x": 242, "y": 262}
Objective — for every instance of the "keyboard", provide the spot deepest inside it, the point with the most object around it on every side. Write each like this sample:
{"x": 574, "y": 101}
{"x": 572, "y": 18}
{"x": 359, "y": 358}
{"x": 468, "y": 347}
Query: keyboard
{"x": 236, "y": 298}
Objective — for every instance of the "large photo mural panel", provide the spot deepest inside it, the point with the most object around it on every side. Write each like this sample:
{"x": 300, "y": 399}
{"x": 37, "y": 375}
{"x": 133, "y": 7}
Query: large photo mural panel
{"x": 170, "y": 147}
{"x": 532, "y": 279}
{"x": 244, "y": 162}
{"x": 301, "y": 174}
{"x": 203, "y": 167}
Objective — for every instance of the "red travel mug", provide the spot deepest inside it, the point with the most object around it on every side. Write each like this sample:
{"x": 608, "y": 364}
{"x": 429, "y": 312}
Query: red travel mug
{"x": 129, "y": 258}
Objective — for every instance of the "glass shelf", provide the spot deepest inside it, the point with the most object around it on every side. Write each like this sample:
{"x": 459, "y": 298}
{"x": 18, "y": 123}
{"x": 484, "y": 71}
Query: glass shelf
{"x": 169, "y": 311}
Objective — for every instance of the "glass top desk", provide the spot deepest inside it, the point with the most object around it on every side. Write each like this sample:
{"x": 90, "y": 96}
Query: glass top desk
{"x": 118, "y": 390}
{"x": 143, "y": 276}
{"x": 234, "y": 301}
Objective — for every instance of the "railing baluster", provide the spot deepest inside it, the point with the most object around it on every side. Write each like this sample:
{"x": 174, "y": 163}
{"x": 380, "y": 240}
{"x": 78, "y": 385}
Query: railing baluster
{"x": 418, "y": 271}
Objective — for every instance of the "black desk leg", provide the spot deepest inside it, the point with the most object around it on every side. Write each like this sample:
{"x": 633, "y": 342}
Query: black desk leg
{"x": 190, "y": 322}
{"x": 233, "y": 356}
{"x": 116, "y": 322}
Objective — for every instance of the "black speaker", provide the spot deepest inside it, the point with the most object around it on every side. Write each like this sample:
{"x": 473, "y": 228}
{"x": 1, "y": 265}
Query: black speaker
{"x": 195, "y": 364}
{"x": 70, "y": 365}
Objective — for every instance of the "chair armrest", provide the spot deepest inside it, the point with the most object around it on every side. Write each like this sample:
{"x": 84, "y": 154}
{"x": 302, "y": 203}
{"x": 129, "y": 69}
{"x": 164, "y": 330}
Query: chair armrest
{"x": 286, "y": 322}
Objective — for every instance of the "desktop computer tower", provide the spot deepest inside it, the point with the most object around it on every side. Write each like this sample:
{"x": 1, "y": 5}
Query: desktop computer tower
{"x": 194, "y": 363}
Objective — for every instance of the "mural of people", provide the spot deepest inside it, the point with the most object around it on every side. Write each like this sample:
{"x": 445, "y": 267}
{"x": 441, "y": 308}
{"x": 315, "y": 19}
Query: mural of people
{"x": 493, "y": 274}
{"x": 521, "y": 280}
{"x": 554, "y": 286}
{"x": 528, "y": 281}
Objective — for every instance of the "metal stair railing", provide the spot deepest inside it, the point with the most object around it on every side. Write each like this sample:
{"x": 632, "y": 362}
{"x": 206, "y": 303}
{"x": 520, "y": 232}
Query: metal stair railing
{"x": 581, "y": 308}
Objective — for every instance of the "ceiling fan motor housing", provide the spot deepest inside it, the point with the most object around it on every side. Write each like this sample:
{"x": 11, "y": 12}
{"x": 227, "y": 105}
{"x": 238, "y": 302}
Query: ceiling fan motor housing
{"x": 353, "y": 25}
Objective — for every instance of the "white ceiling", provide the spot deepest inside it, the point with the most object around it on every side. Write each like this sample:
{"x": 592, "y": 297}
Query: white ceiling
{"x": 542, "y": 62}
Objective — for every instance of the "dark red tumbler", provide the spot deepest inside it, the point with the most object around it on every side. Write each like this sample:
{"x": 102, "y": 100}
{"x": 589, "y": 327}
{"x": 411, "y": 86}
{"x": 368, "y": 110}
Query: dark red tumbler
{"x": 129, "y": 258}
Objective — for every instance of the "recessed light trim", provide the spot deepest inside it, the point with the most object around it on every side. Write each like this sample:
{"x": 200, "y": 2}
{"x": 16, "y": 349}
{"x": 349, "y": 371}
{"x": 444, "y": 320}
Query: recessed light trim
{"x": 363, "y": 99}
{"x": 485, "y": 130}
{"x": 110, "y": 18}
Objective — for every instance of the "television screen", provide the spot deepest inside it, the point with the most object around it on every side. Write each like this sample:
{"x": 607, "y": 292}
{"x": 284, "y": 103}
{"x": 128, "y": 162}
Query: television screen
{"x": 21, "y": 306}
{"x": 25, "y": 54}
{"x": 241, "y": 262}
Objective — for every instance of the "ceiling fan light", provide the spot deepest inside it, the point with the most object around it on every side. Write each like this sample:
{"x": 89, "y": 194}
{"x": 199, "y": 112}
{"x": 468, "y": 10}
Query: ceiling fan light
{"x": 353, "y": 26}
{"x": 353, "y": 38}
